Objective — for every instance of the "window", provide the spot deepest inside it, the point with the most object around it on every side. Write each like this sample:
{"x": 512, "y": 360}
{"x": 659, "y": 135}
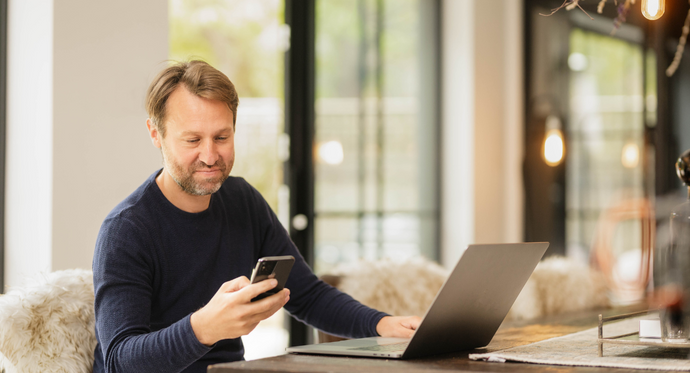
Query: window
{"x": 606, "y": 143}
{"x": 376, "y": 131}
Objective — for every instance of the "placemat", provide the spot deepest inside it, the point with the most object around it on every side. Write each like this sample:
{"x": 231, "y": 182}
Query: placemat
{"x": 581, "y": 349}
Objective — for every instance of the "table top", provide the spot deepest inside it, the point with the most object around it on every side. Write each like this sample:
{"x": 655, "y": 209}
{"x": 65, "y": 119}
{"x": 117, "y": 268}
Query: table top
{"x": 510, "y": 334}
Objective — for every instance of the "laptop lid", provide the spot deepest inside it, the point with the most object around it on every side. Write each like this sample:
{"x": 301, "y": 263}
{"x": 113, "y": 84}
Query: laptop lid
{"x": 468, "y": 309}
{"x": 475, "y": 298}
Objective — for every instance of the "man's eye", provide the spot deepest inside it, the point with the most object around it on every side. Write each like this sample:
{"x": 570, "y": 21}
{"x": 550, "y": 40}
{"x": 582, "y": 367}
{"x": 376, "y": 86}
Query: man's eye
{"x": 192, "y": 140}
{"x": 221, "y": 138}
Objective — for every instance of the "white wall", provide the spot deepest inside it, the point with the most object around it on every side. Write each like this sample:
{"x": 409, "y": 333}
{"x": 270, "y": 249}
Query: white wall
{"x": 482, "y": 191}
{"x": 77, "y": 142}
{"x": 29, "y": 137}
{"x": 457, "y": 118}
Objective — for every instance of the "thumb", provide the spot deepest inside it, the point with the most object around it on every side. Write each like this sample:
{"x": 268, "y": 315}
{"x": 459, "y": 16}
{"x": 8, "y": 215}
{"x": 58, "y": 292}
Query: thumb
{"x": 234, "y": 285}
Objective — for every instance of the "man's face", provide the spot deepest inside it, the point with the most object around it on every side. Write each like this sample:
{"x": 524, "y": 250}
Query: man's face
{"x": 198, "y": 148}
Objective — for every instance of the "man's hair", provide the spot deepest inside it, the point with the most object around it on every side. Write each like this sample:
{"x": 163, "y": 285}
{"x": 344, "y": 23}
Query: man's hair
{"x": 200, "y": 78}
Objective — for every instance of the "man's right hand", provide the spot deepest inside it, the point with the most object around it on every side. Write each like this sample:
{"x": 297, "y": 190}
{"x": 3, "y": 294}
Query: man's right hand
{"x": 231, "y": 312}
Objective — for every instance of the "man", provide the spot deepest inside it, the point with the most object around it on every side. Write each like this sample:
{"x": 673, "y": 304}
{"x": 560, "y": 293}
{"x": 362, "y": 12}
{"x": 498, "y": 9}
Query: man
{"x": 171, "y": 260}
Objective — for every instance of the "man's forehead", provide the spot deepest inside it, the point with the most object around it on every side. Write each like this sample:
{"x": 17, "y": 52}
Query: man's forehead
{"x": 184, "y": 107}
{"x": 190, "y": 126}
{"x": 182, "y": 94}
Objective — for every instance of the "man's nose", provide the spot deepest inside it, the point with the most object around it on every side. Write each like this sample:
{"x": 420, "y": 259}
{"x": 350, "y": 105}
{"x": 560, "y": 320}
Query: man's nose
{"x": 209, "y": 153}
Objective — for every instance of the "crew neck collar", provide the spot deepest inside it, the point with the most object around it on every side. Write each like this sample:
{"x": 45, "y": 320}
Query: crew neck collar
{"x": 169, "y": 205}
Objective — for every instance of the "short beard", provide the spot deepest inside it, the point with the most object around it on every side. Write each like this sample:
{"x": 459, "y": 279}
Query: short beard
{"x": 191, "y": 186}
{"x": 185, "y": 178}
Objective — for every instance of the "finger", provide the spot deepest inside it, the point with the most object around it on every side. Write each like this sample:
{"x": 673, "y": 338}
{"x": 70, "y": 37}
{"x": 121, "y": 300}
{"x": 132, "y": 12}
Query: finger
{"x": 270, "y": 305}
{"x": 234, "y": 285}
{"x": 407, "y": 333}
{"x": 405, "y": 328}
{"x": 412, "y": 322}
{"x": 279, "y": 298}
{"x": 273, "y": 301}
{"x": 242, "y": 282}
{"x": 252, "y": 290}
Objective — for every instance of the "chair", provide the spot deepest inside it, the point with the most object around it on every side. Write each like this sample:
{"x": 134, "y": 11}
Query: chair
{"x": 49, "y": 325}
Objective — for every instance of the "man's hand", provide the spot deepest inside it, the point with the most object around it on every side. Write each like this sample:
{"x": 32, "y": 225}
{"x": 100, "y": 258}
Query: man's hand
{"x": 231, "y": 313}
{"x": 398, "y": 326}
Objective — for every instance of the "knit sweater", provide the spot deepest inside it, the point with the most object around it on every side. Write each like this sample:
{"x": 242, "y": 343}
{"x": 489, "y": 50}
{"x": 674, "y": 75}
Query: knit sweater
{"x": 154, "y": 265}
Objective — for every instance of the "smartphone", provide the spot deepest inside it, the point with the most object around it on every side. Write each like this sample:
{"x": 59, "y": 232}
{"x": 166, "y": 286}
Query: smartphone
{"x": 277, "y": 267}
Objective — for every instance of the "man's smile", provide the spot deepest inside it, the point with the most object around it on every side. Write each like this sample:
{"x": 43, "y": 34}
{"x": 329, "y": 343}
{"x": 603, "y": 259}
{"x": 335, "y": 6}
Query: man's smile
{"x": 208, "y": 172}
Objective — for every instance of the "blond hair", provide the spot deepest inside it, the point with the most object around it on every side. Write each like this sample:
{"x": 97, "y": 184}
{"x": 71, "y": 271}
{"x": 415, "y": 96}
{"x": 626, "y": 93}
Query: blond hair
{"x": 200, "y": 78}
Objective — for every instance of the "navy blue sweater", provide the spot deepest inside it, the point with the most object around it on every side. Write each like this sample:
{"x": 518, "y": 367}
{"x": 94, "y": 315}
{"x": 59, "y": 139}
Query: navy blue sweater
{"x": 154, "y": 265}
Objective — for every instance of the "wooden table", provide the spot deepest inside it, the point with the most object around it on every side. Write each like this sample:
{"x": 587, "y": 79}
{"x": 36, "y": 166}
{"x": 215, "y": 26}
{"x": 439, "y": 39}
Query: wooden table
{"x": 510, "y": 334}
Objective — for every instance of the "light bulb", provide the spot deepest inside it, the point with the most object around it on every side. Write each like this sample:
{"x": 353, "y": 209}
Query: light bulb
{"x": 630, "y": 156}
{"x": 331, "y": 152}
{"x": 653, "y": 9}
{"x": 553, "y": 147}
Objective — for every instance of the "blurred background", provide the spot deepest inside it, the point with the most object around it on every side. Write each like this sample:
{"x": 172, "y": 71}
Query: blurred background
{"x": 374, "y": 128}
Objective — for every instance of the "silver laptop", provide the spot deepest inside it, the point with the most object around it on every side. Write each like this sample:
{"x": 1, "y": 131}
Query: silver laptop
{"x": 467, "y": 310}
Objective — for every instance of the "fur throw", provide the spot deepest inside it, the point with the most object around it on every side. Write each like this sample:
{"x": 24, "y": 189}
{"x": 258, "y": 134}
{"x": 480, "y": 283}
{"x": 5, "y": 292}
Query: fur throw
{"x": 49, "y": 325}
{"x": 397, "y": 288}
{"x": 560, "y": 285}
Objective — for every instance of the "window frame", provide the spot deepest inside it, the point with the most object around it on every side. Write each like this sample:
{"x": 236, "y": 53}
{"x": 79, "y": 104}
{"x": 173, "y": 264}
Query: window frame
{"x": 300, "y": 61}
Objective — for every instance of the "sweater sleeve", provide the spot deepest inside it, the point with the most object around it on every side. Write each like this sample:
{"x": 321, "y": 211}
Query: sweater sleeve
{"x": 322, "y": 306}
{"x": 312, "y": 301}
{"x": 123, "y": 275}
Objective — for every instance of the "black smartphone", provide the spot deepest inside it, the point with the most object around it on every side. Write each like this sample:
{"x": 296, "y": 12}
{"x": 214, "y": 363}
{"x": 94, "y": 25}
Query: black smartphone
{"x": 277, "y": 267}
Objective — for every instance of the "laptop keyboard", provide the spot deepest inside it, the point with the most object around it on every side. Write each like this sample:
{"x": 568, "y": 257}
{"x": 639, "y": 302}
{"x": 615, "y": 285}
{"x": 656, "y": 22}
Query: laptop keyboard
{"x": 389, "y": 347}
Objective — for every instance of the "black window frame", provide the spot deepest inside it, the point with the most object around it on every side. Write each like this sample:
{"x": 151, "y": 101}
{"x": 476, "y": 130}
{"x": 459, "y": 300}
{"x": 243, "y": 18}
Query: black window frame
{"x": 300, "y": 62}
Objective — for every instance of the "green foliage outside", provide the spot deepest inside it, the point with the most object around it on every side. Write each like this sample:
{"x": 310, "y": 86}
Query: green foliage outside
{"x": 241, "y": 38}
{"x": 346, "y": 33}
{"x": 614, "y": 63}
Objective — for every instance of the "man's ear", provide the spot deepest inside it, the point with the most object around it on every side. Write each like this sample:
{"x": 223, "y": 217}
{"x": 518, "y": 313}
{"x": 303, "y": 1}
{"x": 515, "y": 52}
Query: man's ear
{"x": 153, "y": 133}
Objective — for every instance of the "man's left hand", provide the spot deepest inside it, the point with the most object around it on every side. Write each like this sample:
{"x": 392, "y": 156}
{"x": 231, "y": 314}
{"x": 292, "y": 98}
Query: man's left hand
{"x": 398, "y": 326}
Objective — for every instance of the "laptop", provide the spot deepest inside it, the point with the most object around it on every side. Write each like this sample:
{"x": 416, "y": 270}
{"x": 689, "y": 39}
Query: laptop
{"x": 466, "y": 312}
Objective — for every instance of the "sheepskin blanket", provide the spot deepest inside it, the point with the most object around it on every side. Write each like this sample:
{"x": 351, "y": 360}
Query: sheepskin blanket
{"x": 560, "y": 285}
{"x": 395, "y": 287}
{"x": 48, "y": 325}
{"x": 557, "y": 285}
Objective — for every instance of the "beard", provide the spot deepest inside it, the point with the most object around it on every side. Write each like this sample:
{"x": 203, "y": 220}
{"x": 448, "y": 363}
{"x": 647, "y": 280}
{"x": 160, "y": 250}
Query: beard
{"x": 188, "y": 183}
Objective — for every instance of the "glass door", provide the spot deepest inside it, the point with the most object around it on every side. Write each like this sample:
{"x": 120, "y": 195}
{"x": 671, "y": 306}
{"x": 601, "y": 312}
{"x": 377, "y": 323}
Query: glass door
{"x": 376, "y": 131}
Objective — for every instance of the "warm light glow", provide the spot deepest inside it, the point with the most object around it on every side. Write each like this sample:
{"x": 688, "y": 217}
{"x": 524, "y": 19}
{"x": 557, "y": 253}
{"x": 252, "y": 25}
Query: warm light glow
{"x": 653, "y": 9}
{"x": 630, "y": 156}
{"x": 331, "y": 152}
{"x": 554, "y": 147}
